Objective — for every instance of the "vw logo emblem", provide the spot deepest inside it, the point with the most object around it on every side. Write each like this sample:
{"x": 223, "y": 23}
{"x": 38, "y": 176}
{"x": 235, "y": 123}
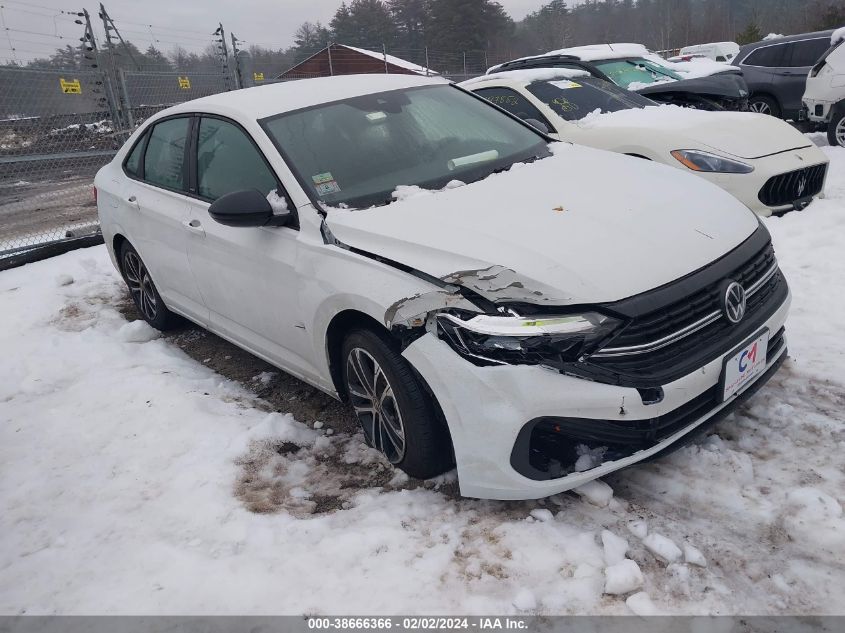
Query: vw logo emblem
{"x": 733, "y": 302}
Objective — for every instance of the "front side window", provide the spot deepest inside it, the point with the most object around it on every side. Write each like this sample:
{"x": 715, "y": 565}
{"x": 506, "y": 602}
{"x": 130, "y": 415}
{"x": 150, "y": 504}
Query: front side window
{"x": 513, "y": 102}
{"x": 355, "y": 152}
{"x": 767, "y": 56}
{"x": 165, "y": 156}
{"x": 636, "y": 70}
{"x": 806, "y": 53}
{"x": 576, "y": 98}
{"x": 227, "y": 161}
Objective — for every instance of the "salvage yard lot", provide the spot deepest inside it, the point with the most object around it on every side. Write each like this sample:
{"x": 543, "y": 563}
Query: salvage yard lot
{"x": 176, "y": 475}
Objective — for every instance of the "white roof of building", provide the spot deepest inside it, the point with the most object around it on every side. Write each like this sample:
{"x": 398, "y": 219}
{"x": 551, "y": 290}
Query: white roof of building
{"x": 264, "y": 101}
{"x": 396, "y": 61}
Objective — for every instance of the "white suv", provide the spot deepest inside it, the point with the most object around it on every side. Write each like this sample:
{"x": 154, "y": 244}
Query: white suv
{"x": 824, "y": 94}
{"x": 537, "y": 313}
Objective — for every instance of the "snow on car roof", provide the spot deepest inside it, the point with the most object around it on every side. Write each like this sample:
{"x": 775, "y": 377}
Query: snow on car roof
{"x": 396, "y": 61}
{"x": 838, "y": 36}
{"x": 595, "y": 52}
{"x": 264, "y": 101}
{"x": 528, "y": 75}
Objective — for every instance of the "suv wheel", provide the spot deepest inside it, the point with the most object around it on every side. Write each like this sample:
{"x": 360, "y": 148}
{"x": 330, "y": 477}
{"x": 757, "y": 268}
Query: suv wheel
{"x": 764, "y": 105}
{"x": 398, "y": 417}
{"x": 836, "y": 127}
{"x": 143, "y": 290}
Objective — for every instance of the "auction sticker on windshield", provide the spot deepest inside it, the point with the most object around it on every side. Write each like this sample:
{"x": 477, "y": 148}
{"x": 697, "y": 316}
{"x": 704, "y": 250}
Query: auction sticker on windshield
{"x": 743, "y": 366}
{"x": 325, "y": 183}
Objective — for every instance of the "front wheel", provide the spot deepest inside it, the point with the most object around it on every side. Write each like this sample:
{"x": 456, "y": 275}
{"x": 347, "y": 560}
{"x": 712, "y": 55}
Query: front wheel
{"x": 143, "y": 291}
{"x": 836, "y": 127}
{"x": 764, "y": 105}
{"x": 398, "y": 417}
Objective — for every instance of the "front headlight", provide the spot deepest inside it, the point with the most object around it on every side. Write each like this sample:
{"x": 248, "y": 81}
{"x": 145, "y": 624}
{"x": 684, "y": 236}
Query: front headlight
{"x": 547, "y": 340}
{"x": 698, "y": 160}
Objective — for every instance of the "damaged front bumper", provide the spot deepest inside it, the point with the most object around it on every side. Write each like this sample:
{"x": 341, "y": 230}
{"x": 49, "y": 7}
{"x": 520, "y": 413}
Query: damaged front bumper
{"x": 501, "y": 417}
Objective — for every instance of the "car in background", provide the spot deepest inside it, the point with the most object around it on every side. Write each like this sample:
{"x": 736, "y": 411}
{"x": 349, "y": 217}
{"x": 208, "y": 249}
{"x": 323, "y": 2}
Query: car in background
{"x": 765, "y": 163}
{"x": 538, "y": 313}
{"x": 698, "y": 83}
{"x": 776, "y": 71}
{"x": 824, "y": 95}
{"x": 717, "y": 51}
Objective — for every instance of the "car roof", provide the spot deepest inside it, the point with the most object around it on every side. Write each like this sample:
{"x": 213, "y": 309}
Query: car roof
{"x": 524, "y": 77}
{"x": 787, "y": 38}
{"x": 272, "y": 99}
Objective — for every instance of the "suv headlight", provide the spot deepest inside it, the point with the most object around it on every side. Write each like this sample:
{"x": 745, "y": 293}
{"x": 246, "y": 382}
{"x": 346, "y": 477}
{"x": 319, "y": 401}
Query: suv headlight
{"x": 698, "y": 160}
{"x": 514, "y": 340}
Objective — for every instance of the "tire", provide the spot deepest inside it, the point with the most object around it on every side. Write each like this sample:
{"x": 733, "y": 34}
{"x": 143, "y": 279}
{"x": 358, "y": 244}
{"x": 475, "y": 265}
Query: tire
{"x": 405, "y": 426}
{"x": 143, "y": 291}
{"x": 836, "y": 127}
{"x": 764, "y": 105}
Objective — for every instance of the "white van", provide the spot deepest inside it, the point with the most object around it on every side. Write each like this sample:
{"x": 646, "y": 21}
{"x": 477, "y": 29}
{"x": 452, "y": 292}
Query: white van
{"x": 717, "y": 51}
{"x": 824, "y": 96}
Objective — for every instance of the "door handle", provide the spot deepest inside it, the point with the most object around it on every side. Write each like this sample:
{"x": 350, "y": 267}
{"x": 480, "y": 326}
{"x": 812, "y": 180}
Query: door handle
{"x": 132, "y": 201}
{"x": 194, "y": 226}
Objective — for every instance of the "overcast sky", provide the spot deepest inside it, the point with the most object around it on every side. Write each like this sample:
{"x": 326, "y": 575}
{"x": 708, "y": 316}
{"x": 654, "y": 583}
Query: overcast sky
{"x": 35, "y": 27}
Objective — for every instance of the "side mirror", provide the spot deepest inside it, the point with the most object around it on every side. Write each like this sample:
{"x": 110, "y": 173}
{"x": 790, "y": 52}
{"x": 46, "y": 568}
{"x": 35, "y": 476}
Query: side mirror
{"x": 538, "y": 125}
{"x": 246, "y": 208}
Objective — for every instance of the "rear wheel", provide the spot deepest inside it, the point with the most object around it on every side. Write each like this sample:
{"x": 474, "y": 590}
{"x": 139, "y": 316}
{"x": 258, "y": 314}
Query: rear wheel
{"x": 398, "y": 417}
{"x": 764, "y": 105}
{"x": 836, "y": 127}
{"x": 143, "y": 290}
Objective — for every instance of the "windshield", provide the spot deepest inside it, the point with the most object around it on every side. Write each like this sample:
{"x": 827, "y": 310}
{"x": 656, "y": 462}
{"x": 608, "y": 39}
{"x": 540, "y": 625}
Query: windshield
{"x": 575, "y": 99}
{"x": 635, "y": 70}
{"x": 356, "y": 152}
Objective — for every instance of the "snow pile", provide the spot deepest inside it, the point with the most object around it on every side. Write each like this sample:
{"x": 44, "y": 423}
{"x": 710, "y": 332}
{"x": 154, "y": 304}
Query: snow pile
{"x": 773, "y": 36}
{"x": 623, "y": 577}
{"x": 837, "y": 36}
{"x": 697, "y": 67}
{"x": 528, "y": 75}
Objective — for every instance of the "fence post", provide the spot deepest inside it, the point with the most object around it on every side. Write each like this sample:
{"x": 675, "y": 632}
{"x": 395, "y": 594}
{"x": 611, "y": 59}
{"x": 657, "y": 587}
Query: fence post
{"x": 426, "y": 61}
{"x": 465, "y": 64}
{"x": 329, "y": 51}
{"x": 239, "y": 80}
{"x": 384, "y": 52}
{"x": 486, "y": 62}
{"x": 128, "y": 106}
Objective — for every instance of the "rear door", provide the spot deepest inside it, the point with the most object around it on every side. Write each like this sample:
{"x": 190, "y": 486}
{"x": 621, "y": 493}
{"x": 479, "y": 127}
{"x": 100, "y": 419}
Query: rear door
{"x": 759, "y": 67}
{"x": 154, "y": 203}
{"x": 791, "y": 77}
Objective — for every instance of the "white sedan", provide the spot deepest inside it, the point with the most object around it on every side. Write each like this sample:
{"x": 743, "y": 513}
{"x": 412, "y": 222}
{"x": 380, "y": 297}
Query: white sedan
{"x": 762, "y": 161}
{"x": 538, "y": 314}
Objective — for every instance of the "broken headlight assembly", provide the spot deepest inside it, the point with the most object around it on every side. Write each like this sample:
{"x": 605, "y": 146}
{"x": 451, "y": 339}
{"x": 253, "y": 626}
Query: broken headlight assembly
{"x": 536, "y": 340}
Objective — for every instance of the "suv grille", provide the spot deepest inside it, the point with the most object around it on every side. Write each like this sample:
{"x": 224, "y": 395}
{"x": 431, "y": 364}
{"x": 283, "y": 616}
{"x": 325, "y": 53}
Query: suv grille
{"x": 785, "y": 189}
{"x": 667, "y": 343}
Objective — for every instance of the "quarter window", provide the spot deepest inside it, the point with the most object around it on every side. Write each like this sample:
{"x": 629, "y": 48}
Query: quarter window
{"x": 165, "y": 156}
{"x": 227, "y": 161}
{"x": 133, "y": 161}
{"x": 806, "y": 53}
{"x": 767, "y": 56}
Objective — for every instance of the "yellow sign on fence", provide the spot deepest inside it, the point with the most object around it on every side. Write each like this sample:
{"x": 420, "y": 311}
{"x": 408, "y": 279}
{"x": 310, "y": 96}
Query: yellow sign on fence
{"x": 258, "y": 76}
{"x": 184, "y": 83}
{"x": 70, "y": 87}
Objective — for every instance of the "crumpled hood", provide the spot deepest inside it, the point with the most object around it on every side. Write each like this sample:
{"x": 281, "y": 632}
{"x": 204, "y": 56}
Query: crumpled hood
{"x": 742, "y": 134}
{"x": 581, "y": 226}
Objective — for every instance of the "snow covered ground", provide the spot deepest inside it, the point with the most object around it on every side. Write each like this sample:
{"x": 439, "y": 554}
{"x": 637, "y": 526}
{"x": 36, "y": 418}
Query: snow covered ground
{"x": 136, "y": 480}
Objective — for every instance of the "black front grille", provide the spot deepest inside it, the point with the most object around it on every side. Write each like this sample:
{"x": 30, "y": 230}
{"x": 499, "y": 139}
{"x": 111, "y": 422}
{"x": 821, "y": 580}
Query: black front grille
{"x": 681, "y": 356}
{"x": 785, "y": 189}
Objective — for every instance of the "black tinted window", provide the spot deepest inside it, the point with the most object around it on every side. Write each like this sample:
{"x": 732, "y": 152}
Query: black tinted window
{"x": 133, "y": 161}
{"x": 769, "y": 56}
{"x": 806, "y": 53}
{"x": 227, "y": 161}
{"x": 166, "y": 154}
{"x": 574, "y": 99}
{"x": 513, "y": 102}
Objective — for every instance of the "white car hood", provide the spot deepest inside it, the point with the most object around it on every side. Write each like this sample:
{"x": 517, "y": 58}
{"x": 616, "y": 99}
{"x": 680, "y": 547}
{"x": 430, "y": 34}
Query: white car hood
{"x": 581, "y": 226}
{"x": 745, "y": 135}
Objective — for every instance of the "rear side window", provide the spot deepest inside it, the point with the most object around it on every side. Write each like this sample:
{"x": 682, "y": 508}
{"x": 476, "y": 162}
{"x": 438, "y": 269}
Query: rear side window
{"x": 767, "y": 56}
{"x": 806, "y": 53}
{"x": 513, "y": 102}
{"x": 165, "y": 157}
{"x": 228, "y": 161}
{"x": 133, "y": 161}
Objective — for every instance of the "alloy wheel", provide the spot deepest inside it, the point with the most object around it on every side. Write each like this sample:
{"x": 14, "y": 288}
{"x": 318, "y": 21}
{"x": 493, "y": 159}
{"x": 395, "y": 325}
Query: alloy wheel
{"x": 761, "y": 107}
{"x": 140, "y": 285}
{"x": 840, "y": 132}
{"x": 375, "y": 404}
